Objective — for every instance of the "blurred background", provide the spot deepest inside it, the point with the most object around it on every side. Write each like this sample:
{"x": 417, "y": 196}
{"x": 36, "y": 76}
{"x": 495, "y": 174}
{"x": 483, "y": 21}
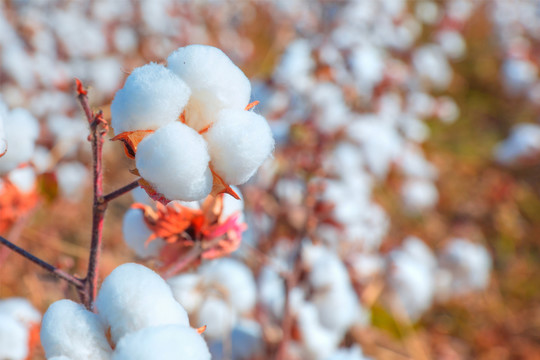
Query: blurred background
{"x": 408, "y": 148}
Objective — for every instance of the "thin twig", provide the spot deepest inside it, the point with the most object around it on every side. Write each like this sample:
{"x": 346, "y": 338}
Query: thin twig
{"x": 79, "y": 284}
{"x": 121, "y": 191}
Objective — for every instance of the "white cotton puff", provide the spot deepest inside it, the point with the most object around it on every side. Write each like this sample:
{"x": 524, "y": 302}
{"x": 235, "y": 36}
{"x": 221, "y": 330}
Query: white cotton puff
{"x": 72, "y": 176}
{"x": 419, "y": 195}
{"x": 174, "y": 160}
{"x": 151, "y": 97}
{"x": 469, "y": 265}
{"x": 136, "y": 234}
{"x": 233, "y": 206}
{"x": 236, "y": 278}
{"x": 13, "y": 338}
{"x": 238, "y": 143}
{"x": 215, "y": 81}
{"x": 318, "y": 341}
{"x": 140, "y": 196}
{"x": 186, "y": 290}
{"x": 271, "y": 290}
{"x": 218, "y": 316}
{"x": 62, "y": 357}
{"x": 21, "y": 310}
{"x": 23, "y": 178}
{"x": 168, "y": 342}
{"x": 246, "y": 342}
{"x": 22, "y": 130}
{"x": 523, "y": 142}
{"x": 133, "y": 297}
{"x": 69, "y": 329}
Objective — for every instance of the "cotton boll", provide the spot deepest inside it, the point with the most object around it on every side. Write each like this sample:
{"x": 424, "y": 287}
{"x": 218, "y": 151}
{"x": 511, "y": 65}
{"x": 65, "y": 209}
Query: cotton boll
{"x": 523, "y": 142}
{"x": 42, "y": 159}
{"x": 236, "y": 278}
{"x": 338, "y": 308}
{"x": 186, "y": 290}
{"x": 151, "y": 97}
{"x": 233, "y": 206}
{"x": 136, "y": 235}
{"x": 238, "y": 143}
{"x": 13, "y": 338}
{"x": 296, "y": 65}
{"x": 431, "y": 64}
{"x": 168, "y": 342}
{"x": 412, "y": 283}
{"x": 469, "y": 264}
{"x": 69, "y": 329}
{"x": 366, "y": 266}
{"x": 141, "y": 196}
{"x": 246, "y": 342}
{"x": 23, "y": 178}
{"x": 174, "y": 160}
{"x": 72, "y": 177}
{"x": 133, "y": 297}
{"x": 419, "y": 195}
{"x": 418, "y": 250}
{"x": 218, "y": 316}
{"x": 452, "y": 43}
{"x": 21, "y": 310}
{"x": 22, "y": 130}
{"x": 271, "y": 290}
{"x": 215, "y": 81}
{"x": 318, "y": 341}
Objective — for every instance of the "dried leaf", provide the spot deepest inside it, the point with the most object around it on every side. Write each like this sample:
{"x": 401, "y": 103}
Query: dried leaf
{"x": 131, "y": 140}
{"x": 221, "y": 187}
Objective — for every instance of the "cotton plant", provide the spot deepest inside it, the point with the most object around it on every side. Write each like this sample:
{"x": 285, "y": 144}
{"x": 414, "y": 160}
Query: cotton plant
{"x": 189, "y": 126}
{"x": 19, "y": 327}
{"x": 181, "y": 231}
{"x": 137, "y": 308}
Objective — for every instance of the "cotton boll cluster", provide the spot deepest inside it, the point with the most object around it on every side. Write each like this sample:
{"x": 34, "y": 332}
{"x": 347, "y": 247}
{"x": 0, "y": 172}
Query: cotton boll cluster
{"x": 138, "y": 308}
{"x": 18, "y": 320}
{"x": 216, "y": 140}
{"x": 417, "y": 277}
{"x": 218, "y": 295}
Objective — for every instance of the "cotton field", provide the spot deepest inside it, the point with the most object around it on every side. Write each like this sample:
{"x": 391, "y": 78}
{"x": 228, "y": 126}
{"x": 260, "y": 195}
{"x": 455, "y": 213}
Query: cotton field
{"x": 250, "y": 180}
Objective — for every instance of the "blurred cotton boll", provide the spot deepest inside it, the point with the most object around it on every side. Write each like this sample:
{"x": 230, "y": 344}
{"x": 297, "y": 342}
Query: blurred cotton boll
{"x": 23, "y": 178}
{"x": 523, "y": 142}
{"x": 238, "y": 143}
{"x": 21, "y": 130}
{"x": 215, "y": 81}
{"x": 68, "y": 329}
{"x": 136, "y": 235}
{"x": 419, "y": 195}
{"x": 174, "y": 160}
{"x": 72, "y": 177}
{"x": 133, "y": 297}
{"x": 152, "y": 97}
{"x": 17, "y": 317}
{"x": 469, "y": 265}
{"x": 168, "y": 342}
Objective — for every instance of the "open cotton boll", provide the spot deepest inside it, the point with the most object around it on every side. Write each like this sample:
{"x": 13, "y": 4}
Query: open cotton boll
{"x": 174, "y": 160}
{"x": 22, "y": 130}
{"x": 13, "y": 338}
{"x": 23, "y": 178}
{"x": 186, "y": 291}
{"x": 246, "y": 342}
{"x": 419, "y": 195}
{"x": 215, "y": 82}
{"x": 218, "y": 316}
{"x": 523, "y": 142}
{"x": 318, "y": 341}
{"x": 136, "y": 234}
{"x": 133, "y": 297}
{"x": 139, "y": 195}
{"x": 3, "y": 140}
{"x": 469, "y": 264}
{"x": 21, "y": 310}
{"x": 72, "y": 176}
{"x": 238, "y": 143}
{"x": 151, "y": 97}
{"x": 168, "y": 342}
{"x": 236, "y": 278}
{"x": 69, "y": 329}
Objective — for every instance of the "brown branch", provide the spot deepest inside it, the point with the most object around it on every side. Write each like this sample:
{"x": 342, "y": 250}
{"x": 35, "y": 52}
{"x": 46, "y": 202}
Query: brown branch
{"x": 78, "y": 283}
{"x": 121, "y": 191}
